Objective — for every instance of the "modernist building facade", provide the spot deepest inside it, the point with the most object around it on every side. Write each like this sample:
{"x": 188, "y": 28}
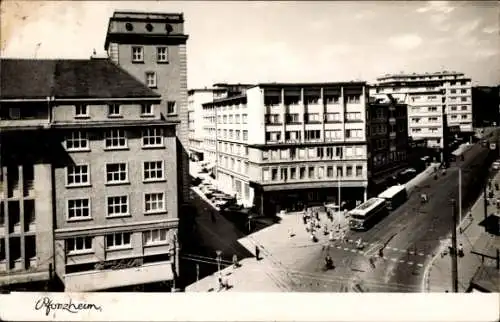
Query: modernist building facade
{"x": 152, "y": 48}
{"x": 93, "y": 190}
{"x": 432, "y": 98}
{"x": 202, "y": 123}
{"x": 282, "y": 144}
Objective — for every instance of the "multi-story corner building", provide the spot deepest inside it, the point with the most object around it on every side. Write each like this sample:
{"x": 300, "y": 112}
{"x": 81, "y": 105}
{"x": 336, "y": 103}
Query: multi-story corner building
{"x": 280, "y": 145}
{"x": 152, "y": 48}
{"x": 202, "y": 123}
{"x": 387, "y": 136}
{"x": 432, "y": 97}
{"x": 486, "y": 105}
{"x": 219, "y": 91}
{"x": 90, "y": 175}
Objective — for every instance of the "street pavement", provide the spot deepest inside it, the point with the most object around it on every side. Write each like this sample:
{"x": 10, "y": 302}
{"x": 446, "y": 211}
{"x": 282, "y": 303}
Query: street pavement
{"x": 437, "y": 277}
{"x": 410, "y": 236}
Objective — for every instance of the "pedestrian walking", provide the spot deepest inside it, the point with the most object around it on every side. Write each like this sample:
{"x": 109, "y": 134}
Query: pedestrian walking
{"x": 331, "y": 236}
{"x": 316, "y": 214}
{"x": 325, "y": 229}
{"x": 235, "y": 261}
{"x": 304, "y": 218}
{"x": 257, "y": 252}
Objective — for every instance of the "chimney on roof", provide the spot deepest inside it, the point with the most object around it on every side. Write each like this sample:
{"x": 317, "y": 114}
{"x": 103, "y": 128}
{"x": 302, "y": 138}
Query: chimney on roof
{"x": 98, "y": 56}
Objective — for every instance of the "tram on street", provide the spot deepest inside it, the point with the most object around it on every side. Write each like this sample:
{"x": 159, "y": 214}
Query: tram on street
{"x": 367, "y": 214}
{"x": 394, "y": 196}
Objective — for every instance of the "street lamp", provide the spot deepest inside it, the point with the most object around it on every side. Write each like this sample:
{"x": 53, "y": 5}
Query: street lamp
{"x": 219, "y": 259}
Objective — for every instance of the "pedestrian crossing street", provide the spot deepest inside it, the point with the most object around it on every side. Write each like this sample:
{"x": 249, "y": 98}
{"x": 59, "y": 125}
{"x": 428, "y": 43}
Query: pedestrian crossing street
{"x": 350, "y": 246}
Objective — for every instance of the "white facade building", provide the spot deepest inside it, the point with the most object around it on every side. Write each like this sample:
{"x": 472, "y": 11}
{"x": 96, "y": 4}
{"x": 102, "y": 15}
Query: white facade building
{"x": 202, "y": 123}
{"x": 432, "y": 97}
{"x": 281, "y": 145}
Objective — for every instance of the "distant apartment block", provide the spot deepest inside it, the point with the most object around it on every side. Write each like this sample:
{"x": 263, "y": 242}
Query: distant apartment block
{"x": 486, "y": 105}
{"x": 89, "y": 176}
{"x": 152, "y": 48}
{"x": 432, "y": 98}
{"x": 201, "y": 131}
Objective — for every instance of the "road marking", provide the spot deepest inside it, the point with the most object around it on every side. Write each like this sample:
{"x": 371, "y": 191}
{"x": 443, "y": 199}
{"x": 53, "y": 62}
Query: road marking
{"x": 401, "y": 260}
{"x": 346, "y": 249}
{"x": 410, "y": 263}
{"x": 338, "y": 247}
{"x": 420, "y": 265}
{"x": 412, "y": 253}
{"x": 351, "y": 241}
{"x": 353, "y": 250}
{"x": 394, "y": 259}
{"x": 421, "y": 254}
{"x": 402, "y": 251}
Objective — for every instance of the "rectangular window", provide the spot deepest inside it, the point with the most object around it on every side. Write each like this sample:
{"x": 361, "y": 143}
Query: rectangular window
{"x": 116, "y": 173}
{"x": 171, "y": 107}
{"x": 245, "y": 135}
{"x": 293, "y": 173}
{"x": 244, "y": 118}
{"x": 79, "y": 245}
{"x": 274, "y": 174}
{"x": 155, "y": 237}
{"x": 78, "y": 175}
{"x": 115, "y": 139}
{"x": 265, "y": 174}
{"x": 310, "y": 173}
{"x": 77, "y": 141}
{"x": 153, "y": 171}
{"x": 162, "y": 54}
{"x": 329, "y": 172}
{"x": 118, "y": 241}
{"x": 292, "y": 118}
{"x": 284, "y": 174}
{"x": 339, "y": 172}
{"x": 353, "y": 99}
{"x": 81, "y": 110}
{"x": 137, "y": 54}
{"x": 147, "y": 109}
{"x": 302, "y": 172}
{"x": 348, "y": 171}
{"x": 151, "y": 79}
{"x": 154, "y": 202}
{"x": 118, "y": 206}
{"x": 152, "y": 137}
{"x": 78, "y": 209}
{"x": 114, "y": 110}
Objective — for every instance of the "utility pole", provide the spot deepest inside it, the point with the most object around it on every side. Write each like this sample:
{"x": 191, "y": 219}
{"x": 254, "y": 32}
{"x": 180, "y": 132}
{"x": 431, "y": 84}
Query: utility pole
{"x": 339, "y": 197}
{"x": 460, "y": 196}
{"x": 454, "y": 264}
{"x": 485, "y": 197}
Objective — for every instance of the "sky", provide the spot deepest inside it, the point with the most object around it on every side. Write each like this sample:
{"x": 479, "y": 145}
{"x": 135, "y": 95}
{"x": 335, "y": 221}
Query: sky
{"x": 305, "y": 41}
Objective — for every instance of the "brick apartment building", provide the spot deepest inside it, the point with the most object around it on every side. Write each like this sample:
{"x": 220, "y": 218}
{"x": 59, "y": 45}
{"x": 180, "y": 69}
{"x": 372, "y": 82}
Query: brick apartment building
{"x": 89, "y": 176}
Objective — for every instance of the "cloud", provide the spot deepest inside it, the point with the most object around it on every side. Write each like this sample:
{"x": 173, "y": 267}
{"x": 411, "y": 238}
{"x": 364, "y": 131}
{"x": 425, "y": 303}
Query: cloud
{"x": 437, "y": 7}
{"x": 439, "y": 14}
{"x": 491, "y": 29}
{"x": 483, "y": 53}
{"x": 468, "y": 27}
{"x": 405, "y": 42}
{"x": 337, "y": 49}
{"x": 318, "y": 25}
{"x": 363, "y": 15}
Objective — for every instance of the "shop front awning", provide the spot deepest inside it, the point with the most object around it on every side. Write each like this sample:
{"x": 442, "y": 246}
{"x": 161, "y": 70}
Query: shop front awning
{"x": 105, "y": 279}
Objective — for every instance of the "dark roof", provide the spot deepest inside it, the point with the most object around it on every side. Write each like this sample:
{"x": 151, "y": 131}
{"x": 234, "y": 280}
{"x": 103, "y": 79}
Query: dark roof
{"x": 68, "y": 79}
